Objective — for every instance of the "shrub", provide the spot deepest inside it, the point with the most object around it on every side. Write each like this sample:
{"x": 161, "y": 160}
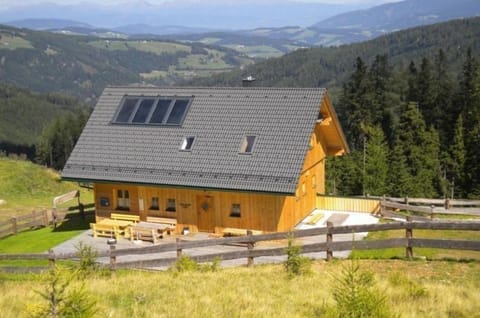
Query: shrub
{"x": 87, "y": 260}
{"x": 61, "y": 299}
{"x": 296, "y": 264}
{"x": 355, "y": 295}
{"x": 186, "y": 264}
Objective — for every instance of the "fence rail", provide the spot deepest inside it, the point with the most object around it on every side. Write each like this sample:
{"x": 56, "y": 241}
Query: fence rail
{"x": 430, "y": 207}
{"x": 41, "y": 218}
{"x": 250, "y": 252}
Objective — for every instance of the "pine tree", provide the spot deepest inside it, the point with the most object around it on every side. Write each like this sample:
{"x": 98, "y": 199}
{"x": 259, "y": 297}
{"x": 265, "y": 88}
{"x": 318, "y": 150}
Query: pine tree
{"x": 376, "y": 162}
{"x": 470, "y": 98}
{"x": 419, "y": 148}
{"x": 426, "y": 88}
{"x": 443, "y": 112}
{"x": 354, "y": 115}
{"x": 413, "y": 95}
{"x": 400, "y": 181}
{"x": 456, "y": 163}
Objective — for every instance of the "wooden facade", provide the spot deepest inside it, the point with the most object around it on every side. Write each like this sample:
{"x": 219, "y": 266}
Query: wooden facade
{"x": 210, "y": 210}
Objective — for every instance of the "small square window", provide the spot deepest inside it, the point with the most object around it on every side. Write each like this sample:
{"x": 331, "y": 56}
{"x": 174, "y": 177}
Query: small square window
{"x": 247, "y": 144}
{"x": 154, "y": 205}
{"x": 235, "y": 210}
{"x": 187, "y": 143}
{"x": 171, "y": 205}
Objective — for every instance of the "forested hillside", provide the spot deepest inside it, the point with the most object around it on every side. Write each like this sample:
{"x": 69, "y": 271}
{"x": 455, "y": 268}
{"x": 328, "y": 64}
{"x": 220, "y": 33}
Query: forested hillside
{"x": 82, "y": 66}
{"x": 413, "y": 132}
{"x": 330, "y": 67}
{"x": 28, "y": 121}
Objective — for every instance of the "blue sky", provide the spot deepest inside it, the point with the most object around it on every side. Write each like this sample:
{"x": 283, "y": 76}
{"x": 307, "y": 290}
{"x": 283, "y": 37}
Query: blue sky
{"x": 9, "y": 3}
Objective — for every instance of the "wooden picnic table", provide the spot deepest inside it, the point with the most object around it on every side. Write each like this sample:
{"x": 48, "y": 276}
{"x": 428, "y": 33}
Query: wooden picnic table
{"x": 148, "y": 231}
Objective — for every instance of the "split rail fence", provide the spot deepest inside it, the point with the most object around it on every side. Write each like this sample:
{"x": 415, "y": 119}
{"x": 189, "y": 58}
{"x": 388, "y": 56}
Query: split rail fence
{"x": 429, "y": 207}
{"x": 250, "y": 252}
{"x": 40, "y": 218}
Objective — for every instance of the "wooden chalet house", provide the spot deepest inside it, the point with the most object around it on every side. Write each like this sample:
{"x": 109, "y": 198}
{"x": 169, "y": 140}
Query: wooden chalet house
{"x": 211, "y": 158}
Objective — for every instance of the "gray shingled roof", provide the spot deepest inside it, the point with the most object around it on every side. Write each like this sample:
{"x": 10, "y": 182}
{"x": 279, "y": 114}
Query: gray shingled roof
{"x": 282, "y": 119}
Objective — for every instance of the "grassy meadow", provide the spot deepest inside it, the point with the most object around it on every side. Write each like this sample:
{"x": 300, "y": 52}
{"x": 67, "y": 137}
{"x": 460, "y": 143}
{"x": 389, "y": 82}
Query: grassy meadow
{"x": 410, "y": 289}
{"x": 26, "y": 186}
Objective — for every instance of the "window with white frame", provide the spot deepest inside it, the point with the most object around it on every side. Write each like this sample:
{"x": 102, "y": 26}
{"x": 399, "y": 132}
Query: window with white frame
{"x": 123, "y": 200}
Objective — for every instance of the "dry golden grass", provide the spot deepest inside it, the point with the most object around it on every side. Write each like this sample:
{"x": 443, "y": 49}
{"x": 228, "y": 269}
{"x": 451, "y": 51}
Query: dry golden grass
{"x": 412, "y": 289}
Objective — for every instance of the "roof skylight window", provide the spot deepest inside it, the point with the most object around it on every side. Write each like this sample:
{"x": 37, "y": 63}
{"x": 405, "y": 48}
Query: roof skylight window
{"x": 126, "y": 110}
{"x": 187, "y": 143}
{"x": 169, "y": 111}
{"x": 247, "y": 144}
{"x": 143, "y": 111}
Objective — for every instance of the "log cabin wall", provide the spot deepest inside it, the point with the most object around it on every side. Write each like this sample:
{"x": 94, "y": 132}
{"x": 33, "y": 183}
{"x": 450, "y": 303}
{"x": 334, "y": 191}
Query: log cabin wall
{"x": 199, "y": 210}
{"x": 311, "y": 182}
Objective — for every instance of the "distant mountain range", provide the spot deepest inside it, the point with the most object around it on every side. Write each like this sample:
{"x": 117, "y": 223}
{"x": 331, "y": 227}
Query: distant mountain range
{"x": 214, "y": 15}
{"x": 344, "y": 28}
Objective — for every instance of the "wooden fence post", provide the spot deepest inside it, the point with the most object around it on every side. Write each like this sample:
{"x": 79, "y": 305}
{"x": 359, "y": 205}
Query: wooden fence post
{"x": 113, "y": 258}
{"x": 431, "y": 212}
{"x": 14, "y": 225}
{"x": 250, "y": 246}
{"x": 406, "y": 200}
{"x": 408, "y": 235}
{"x": 179, "y": 250}
{"x": 45, "y": 217}
{"x": 382, "y": 206}
{"x": 447, "y": 204}
{"x": 329, "y": 240}
{"x": 51, "y": 258}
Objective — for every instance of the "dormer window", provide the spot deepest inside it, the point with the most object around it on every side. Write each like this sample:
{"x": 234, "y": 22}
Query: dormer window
{"x": 247, "y": 144}
{"x": 187, "y": 143}
{"x": 168, "y": 111}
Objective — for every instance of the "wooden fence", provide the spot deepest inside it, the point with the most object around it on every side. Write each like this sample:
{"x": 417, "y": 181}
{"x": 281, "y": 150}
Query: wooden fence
{"x": 376, "y": 204}
{"x": 250, "y": 252}
{"x": 40, "y": 218}
{"x": 430, "y": 207}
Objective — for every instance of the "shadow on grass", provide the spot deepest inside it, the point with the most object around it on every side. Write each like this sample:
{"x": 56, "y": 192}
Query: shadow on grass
{"x": 74, "y": 222}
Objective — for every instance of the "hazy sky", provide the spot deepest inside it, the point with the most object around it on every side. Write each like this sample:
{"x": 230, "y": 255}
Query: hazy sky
{"x": 10, "y": 3}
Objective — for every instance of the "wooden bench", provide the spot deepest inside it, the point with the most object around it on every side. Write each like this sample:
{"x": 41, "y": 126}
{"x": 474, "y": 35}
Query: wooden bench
{"x": 231, "y": 231}
{"x": 105, "y": 230}
{"x": 170, "y": 222}
{"x": 125, "y": 217}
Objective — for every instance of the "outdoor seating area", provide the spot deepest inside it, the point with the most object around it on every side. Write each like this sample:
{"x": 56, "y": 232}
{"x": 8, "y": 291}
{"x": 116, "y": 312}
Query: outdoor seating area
{"x": 130, "y": 227}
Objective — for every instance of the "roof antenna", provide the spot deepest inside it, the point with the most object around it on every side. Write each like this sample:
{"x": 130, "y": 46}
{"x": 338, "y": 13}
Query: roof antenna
{"x": 248, "y": 81}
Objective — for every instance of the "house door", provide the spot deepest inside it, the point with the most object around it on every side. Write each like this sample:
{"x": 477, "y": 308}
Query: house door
{"x": 205, "y": 213}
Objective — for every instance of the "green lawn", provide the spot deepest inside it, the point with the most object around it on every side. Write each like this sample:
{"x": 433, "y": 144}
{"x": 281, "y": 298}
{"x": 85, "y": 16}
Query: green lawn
{"x": 41, "y": 240}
